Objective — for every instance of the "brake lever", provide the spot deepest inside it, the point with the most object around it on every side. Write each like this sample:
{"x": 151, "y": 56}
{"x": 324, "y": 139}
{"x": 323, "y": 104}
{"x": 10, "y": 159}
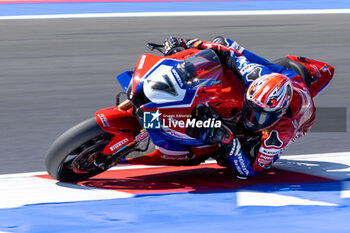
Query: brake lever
{"x": 153, "y": 46}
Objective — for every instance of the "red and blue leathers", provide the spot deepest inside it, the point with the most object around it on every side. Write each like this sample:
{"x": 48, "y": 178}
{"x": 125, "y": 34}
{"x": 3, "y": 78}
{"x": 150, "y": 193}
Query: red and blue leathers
{"x": 295, "y": 123}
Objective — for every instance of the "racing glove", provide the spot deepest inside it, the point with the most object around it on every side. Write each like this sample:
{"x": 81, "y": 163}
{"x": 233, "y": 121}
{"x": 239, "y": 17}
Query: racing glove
{"x": 231, "y": 154}
{"x": 203, "y": 112}
{"x": 174, "y": 45}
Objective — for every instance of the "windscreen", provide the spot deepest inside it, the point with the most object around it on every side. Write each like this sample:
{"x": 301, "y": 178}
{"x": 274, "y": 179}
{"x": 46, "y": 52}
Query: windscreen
{"x": 202, "y": 69}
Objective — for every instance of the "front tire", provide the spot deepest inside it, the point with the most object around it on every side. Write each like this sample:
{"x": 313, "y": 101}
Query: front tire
{"x": 76, "y": 146}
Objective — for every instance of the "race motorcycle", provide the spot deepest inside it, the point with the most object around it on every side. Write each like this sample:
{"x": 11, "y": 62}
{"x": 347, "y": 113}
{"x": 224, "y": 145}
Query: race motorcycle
{"x": 158, "y": 93}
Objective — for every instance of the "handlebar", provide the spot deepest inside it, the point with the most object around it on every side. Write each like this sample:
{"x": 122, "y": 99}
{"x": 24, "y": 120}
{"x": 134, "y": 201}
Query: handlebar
{"x": 159, "y": 47}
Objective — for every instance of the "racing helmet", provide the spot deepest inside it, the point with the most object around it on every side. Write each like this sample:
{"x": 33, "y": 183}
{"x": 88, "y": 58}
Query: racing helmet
{"x": 266, "y": 101}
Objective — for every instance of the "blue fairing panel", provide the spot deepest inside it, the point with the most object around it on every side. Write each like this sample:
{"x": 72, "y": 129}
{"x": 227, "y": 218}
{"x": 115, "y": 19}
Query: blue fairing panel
{"x": 124, "y": 79}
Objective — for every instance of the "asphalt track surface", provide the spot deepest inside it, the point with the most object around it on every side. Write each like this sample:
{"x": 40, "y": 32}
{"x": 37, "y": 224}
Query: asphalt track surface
{"x": 56, "y": 73}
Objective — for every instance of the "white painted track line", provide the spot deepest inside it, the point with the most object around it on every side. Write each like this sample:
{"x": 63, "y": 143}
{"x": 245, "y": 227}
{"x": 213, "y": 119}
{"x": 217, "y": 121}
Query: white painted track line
{"x": 329, "y": 165}
{"x": 345, "y": 193}
{"x": 16, "y": 192}
{"x": 187, "y": 13}
{"x": 251, "y": 198}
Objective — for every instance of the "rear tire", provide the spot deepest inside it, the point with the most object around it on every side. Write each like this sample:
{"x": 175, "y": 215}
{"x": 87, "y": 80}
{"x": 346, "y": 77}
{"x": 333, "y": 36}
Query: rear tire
{"x": 84, "y": 138}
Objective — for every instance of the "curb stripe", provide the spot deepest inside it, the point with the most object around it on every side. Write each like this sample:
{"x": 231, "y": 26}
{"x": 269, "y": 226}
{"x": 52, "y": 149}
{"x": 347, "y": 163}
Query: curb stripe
{"x": 101, "y": 1}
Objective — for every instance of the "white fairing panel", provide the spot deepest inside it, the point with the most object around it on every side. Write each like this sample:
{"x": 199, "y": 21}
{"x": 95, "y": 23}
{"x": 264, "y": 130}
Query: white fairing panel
{"x": 163, "y": 76}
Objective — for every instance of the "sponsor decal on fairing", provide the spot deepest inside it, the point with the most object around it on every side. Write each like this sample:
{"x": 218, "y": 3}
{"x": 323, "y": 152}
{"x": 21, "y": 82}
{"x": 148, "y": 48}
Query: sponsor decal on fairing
{"x": 175, "y": 157}
{"x": 318, "y": 73}
{"x": 103, "y": 120}
{"x": 325, "y": 68}
{"x": 119, "y": 144}
{"x": 141, "y": 136}
{"x": 142, "y": 62}
{"x": 178, "y": 78}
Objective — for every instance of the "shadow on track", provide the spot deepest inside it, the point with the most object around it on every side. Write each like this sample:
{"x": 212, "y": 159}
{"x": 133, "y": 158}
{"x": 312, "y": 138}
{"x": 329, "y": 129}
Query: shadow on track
{"x": 213, "y": 178}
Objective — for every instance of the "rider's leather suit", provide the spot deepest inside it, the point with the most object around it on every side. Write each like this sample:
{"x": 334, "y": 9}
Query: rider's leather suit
{"x": 295, "y": 123}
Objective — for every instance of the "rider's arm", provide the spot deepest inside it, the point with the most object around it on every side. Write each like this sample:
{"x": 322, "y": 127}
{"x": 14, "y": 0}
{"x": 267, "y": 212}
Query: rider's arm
{"x": 273, "y": 143}
{"x": 296, "y": 123}
{"x": 240, "y": 163}
{"x": 232, "y": 152}
{"x": 254, "y": 58}
{"x": 249, "y": 64}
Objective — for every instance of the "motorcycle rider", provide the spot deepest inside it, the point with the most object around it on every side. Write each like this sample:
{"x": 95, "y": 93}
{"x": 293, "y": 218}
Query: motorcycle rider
{"x": 278, "y": 106}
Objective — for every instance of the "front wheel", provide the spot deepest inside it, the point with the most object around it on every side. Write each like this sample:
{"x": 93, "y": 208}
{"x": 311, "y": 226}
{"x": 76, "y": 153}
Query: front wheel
{"x": 71, "y": 157}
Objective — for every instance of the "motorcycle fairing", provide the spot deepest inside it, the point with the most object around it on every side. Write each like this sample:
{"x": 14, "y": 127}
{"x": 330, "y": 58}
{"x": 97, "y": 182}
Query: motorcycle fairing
{"x": 223, "y": 96}
{"x": 118, "y": 143}
{"x": 154, "y": 71}
{"x": 147, "y": 61}
{"x": 321, "y": 73}
{"x": 174, "y": 93}
{"x": 162, "y": 156}
{"x": 125, "y": 79}
{"x": 171, "y": 139}
{"x": 175, "y": 98}
{"x": 210, "y": 87}
{"x": 122, "y": 124}
{"x": 163, "y": 73}
{"x": 186, "y": 102}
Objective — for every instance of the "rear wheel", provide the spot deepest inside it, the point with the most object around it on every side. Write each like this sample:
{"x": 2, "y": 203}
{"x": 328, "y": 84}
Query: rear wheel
{"x": 77, "y": 154}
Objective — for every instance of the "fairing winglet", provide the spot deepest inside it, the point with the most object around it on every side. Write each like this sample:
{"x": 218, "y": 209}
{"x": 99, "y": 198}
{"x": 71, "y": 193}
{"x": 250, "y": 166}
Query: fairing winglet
{"x": 124, "y": 79}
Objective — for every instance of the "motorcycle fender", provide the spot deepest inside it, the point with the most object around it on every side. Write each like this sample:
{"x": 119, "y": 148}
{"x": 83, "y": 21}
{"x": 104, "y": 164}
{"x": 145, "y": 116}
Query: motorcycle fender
{"x": 114, "y": 120}
{"x": 118, "y": 143}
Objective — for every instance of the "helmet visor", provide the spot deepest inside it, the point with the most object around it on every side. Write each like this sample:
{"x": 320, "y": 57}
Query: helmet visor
{"x": 255, "y": 119}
